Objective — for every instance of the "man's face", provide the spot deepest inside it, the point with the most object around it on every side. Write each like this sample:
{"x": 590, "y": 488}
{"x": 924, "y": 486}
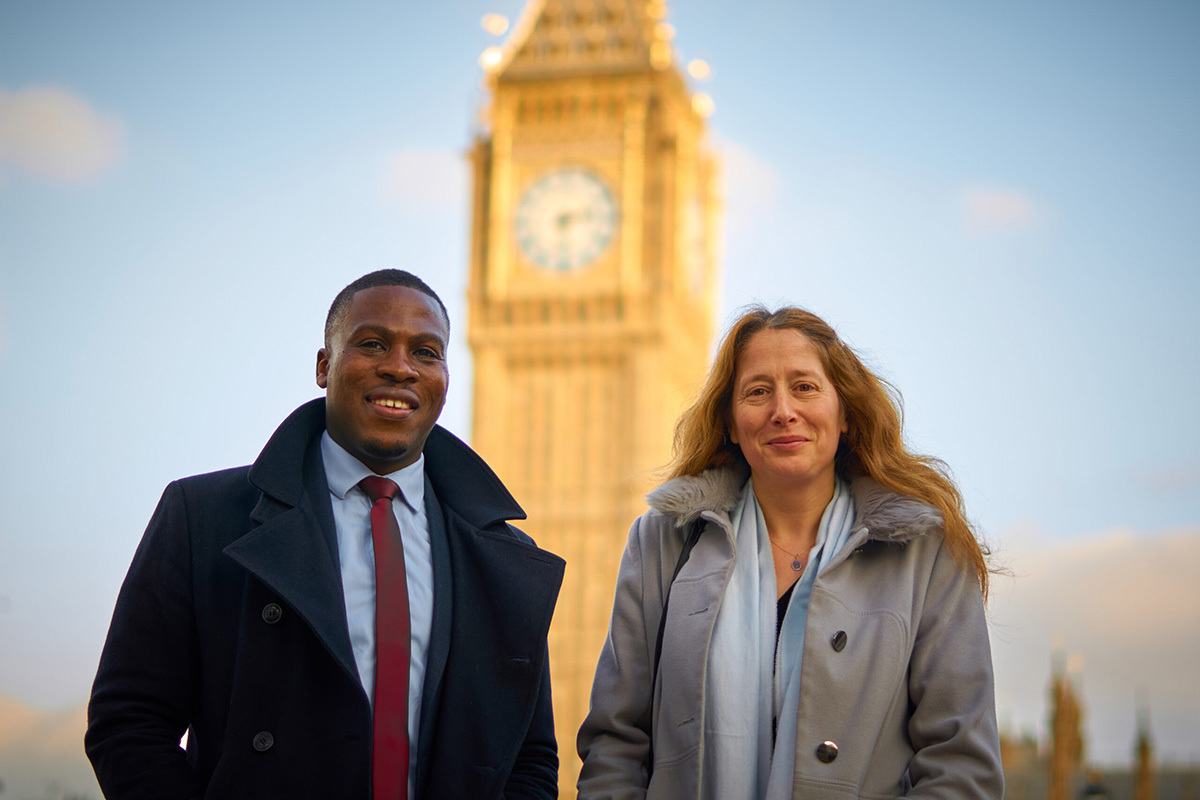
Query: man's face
{"x": 384, "y": 375}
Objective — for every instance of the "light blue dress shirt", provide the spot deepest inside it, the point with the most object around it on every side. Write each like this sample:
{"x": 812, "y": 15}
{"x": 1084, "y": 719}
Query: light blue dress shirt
{"x": 356, "y": 552}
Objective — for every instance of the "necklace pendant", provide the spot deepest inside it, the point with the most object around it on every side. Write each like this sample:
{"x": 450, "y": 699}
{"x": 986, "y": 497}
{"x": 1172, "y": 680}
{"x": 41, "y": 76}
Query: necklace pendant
{"x": 796, "y": 565}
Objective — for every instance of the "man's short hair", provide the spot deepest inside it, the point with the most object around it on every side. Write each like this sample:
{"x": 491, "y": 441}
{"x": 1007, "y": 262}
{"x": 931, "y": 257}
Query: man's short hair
{"x": 383, "y": 277}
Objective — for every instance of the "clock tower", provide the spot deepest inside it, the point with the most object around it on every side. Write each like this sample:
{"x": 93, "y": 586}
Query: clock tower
{"x": 591, "y": 293}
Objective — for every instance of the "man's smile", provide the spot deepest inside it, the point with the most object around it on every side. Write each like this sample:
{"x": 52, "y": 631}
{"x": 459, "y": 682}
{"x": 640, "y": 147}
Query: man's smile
{"x": 388, "y": 403}
{"x": 392, "y": 404}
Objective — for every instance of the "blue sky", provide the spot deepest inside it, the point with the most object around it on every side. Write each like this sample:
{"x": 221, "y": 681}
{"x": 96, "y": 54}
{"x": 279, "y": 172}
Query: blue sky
{"x": 996, "y": 204}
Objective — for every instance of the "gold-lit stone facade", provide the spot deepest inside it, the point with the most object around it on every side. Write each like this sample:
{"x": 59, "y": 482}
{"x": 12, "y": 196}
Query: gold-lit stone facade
{"x": 591, "y": 292}
{"x": 1066, "y": 723}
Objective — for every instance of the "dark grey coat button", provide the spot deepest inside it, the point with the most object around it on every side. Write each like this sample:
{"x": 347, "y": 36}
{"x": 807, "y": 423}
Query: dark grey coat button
{"x": 263, "y": 741}
{"x": 838, "y": 641}
{"x": 826, "y": 752}
{"x": 272, "y": 613}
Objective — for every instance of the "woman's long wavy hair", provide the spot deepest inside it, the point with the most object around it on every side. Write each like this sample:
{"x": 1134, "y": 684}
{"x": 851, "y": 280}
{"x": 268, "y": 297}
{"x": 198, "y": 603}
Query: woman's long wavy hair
{"x": 873, "y": 445}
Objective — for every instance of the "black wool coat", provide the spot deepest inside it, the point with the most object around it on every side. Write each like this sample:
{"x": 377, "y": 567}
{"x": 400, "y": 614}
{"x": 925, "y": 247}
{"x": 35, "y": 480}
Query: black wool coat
{"x": 231, "y": 625}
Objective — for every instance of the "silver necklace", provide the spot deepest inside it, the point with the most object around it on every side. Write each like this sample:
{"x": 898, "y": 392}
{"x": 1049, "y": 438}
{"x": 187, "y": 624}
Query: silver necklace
{"x": 797, "y": 564}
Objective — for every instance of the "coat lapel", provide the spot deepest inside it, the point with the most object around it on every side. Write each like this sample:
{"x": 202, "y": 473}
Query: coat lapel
{"x": 288, "y": 554}
{"x": 504, "y": 592}
{"x": 487, "y": 663}
{"x": 293, "y": 551}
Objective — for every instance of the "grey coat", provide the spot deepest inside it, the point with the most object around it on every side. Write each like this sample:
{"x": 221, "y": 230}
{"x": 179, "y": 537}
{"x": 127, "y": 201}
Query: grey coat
{"x": 897, "y": 669}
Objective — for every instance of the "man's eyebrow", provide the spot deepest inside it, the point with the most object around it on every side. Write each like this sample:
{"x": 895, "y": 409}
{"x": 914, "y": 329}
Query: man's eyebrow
{"x": 379, "y": 328}
{"x": 431, "y": 336}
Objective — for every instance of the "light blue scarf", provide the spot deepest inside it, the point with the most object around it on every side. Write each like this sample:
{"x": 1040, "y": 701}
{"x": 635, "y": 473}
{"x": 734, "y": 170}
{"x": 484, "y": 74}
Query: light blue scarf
{"x": 746, "y": 683}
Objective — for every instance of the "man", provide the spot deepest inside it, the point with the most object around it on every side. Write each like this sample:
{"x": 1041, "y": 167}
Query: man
{"x": 315, "y": 635}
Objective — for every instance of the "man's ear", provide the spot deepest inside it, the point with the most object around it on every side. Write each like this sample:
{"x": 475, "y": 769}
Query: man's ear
{"x": 322, "y": 367}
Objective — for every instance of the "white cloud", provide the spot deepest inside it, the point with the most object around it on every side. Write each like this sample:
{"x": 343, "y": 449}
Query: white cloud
{"x": 426, "y": 178}
{"x": 53, "y": 134}
{"x": 41, "y": 752}
{"x": 987, "y": 210}
{"x": 1128, "y": 604}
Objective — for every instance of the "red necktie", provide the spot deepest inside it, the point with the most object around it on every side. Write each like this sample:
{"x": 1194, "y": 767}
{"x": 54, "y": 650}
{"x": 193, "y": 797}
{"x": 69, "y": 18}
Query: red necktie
{"x": 389, "y": 753}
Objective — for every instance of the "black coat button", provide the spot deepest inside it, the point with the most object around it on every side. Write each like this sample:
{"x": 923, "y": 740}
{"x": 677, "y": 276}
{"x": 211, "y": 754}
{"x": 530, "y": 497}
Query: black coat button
{"x": 263, "y": 741}
{"x": 838, "y": 641}
{"x": 826, "y": 752}
{"x": 272, "y": 613}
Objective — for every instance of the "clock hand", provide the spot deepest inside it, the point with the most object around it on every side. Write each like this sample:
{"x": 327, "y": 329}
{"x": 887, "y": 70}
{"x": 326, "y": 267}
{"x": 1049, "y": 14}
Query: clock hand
{"x": 567, "y": 218}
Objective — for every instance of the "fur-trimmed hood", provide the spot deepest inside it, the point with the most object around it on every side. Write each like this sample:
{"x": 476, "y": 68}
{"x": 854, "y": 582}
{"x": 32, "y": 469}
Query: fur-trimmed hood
{"x": 885, "y": 514}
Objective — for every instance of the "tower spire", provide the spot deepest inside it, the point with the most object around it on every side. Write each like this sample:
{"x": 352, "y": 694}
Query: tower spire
{"x": 1144, "y": 774}
{"x": 1066, "y": 714}
{"x": 561, "y": 37}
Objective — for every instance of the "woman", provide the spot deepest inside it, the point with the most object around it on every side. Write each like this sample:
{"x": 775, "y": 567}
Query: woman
{"x": 825, "y": 636}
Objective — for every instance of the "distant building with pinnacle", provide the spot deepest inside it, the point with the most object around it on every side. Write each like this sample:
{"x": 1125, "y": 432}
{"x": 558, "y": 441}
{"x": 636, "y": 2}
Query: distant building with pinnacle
{"x": 1066, "y": 722}
{"x": 1144, "y": 771}
{"x": 1058, "y": 770}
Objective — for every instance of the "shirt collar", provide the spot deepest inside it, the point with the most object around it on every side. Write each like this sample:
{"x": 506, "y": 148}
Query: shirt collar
{"x": 343, "y": 473}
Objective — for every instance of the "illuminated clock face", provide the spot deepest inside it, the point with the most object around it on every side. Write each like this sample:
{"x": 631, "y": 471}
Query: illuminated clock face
{"x": 566, "y": 219}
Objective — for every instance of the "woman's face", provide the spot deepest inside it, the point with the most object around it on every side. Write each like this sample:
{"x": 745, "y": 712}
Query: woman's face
{"x": 786, "y": 415}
